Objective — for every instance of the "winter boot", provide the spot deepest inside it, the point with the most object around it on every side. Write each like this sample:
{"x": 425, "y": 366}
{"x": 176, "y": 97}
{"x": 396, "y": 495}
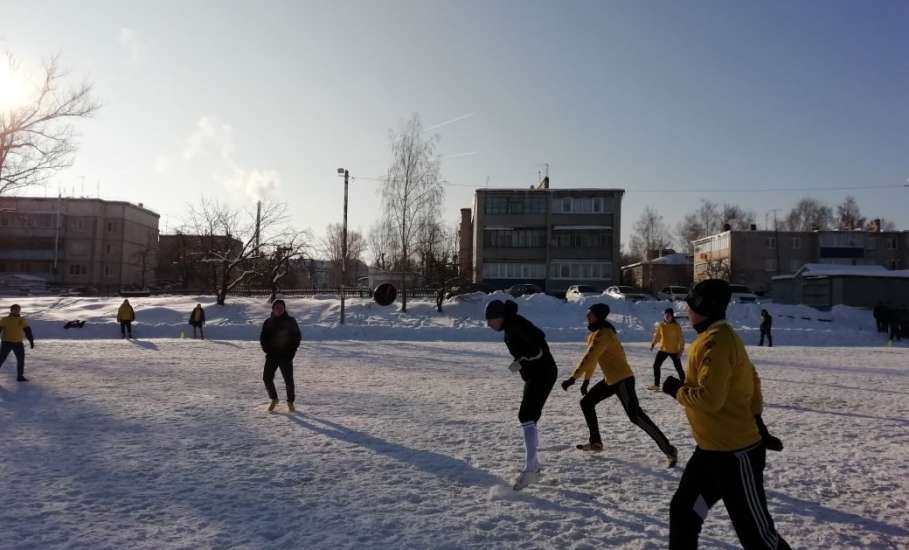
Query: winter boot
{"x": 595, "y": 446}
{"x": 672, "y": 458}
{"x": 272, "y": 405}
{"x": 653, "y": 387}
{"x": 525, "y": 478}
{"x": 290, "y": 407}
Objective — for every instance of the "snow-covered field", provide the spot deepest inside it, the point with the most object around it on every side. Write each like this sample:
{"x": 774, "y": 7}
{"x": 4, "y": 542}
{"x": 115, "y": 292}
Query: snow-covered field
{"x": 411, "y": 444}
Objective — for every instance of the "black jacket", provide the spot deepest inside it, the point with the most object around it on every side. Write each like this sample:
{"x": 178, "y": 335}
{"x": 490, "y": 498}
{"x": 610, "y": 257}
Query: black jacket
{"x": 766, "y": 322}
{"x": 524, "y": 339}
{"x": 280, "y": 337}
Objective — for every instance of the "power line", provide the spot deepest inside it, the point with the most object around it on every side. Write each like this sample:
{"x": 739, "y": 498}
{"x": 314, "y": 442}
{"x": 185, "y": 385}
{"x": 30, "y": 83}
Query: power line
{"x": 767, "y": 189}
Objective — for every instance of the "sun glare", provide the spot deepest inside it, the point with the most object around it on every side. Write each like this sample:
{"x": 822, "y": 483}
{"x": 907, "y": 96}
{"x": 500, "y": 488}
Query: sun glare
{"x": 12, "y": 87}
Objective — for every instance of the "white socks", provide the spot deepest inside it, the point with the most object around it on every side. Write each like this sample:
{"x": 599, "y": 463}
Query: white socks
{"x": 531, "y": 440}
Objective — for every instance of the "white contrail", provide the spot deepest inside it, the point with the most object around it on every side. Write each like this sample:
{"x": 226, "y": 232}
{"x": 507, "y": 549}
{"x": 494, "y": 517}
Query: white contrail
{"x": 452, "y": 121}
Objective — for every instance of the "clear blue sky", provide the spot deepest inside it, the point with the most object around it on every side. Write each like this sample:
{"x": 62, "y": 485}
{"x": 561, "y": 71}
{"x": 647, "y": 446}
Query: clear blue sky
{"x": 212, "y": 98}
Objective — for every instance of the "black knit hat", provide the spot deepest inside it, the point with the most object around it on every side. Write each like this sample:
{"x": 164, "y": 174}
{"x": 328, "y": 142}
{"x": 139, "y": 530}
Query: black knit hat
{"x": 710, "y": 298}
{"x": 600, "y": 311}
{"x": 497, "y": 309}
{"x": 279, "y": 301}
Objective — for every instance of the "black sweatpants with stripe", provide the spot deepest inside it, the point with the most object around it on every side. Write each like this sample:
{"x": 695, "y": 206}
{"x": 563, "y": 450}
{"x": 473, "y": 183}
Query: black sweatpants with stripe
{"x": 629, "y": 398}
{"x": 736, "y": 478}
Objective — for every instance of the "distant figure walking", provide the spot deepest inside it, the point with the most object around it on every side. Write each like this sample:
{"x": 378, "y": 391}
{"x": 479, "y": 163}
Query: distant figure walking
{"x": 280, "y": 339}
{"x": 13, "y": 330}
{"x": 880, "y": 313}
{"x": 766, "y": 325}
{"x": 197, "y": 321}
{"x": 668, "y": 335}
{"x": 125, "y": 316}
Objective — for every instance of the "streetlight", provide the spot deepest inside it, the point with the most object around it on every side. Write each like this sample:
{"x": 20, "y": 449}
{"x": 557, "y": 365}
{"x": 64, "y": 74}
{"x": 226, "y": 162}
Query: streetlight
{"x": 346, "y": 174}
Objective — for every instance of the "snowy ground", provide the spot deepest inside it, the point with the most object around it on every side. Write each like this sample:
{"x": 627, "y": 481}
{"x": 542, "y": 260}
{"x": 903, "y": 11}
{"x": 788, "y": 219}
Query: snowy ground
{"x": 165, "y": 444}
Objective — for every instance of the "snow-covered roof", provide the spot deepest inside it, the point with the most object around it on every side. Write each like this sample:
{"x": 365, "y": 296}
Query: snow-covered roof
{"x": 837, "y": 270}
{"x": 669, "y": 259}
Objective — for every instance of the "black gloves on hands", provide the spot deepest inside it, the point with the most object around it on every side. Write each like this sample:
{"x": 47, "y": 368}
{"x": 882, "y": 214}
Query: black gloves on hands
{"x": 772, "y": 443}
{"x": 584, "y": 386}
{"x": 31, "y": 344}
{"x": 671, "y": 386}
{"x": 568, "y": 383}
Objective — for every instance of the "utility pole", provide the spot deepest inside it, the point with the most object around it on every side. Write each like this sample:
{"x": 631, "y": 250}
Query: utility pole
{"x": 346, "y": 174}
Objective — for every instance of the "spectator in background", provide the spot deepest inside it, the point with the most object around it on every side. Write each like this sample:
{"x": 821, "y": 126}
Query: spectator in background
{"x": 766, "y": 325}
{"x": 13, "y": 330}
{"x": 197, "y": 321}
{"x": 879, "y": 313}
{"x": 125, "y": 316}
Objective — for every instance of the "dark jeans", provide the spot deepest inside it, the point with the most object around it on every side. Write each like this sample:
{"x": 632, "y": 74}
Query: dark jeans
{"x": 201, "y": 330}
{"x": 658, "y": 363}
{"x": 625, "y": 390}
{"x": 126, "y": 327}
{"x": 736, "y": 478}
{"x": 766, "y": 332}
{"x": 18, "y": 349}
{"x": 536, "y": 392}
{"x": 272, "y": 364}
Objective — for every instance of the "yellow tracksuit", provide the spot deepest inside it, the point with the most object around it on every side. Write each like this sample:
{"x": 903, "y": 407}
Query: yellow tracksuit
{"x": 722, "y": 391}
{"x": 604, "y": 348}
{"x": 669, "y": 337}
{"x": 12, "y": 329}
{"x": 125, "y": 313}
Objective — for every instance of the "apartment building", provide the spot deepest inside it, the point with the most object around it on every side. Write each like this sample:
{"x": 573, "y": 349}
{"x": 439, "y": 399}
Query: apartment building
{"x": 553, "y": 238}
{"x": 77, "y": 242}
{"x": 753, "y": 258}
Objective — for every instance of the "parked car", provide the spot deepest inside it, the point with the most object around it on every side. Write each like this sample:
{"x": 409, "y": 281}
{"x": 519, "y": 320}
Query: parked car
{"x": 576, "y": 292}
{"x": 467, "y": 288}
{"x": 523, "y": 289}
{"x": 741, "y": 294}
{"x": 673, "y": 293}
{"x": 628, "y": 293}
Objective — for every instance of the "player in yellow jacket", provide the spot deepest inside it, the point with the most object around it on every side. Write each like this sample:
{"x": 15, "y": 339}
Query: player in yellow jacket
{"x": 125, "y": 316}
{"x": 13, "y": 330}
{"x": 605, "y": 350}
{"x": 722, "y": 399}
{"x": 668, "y": 335}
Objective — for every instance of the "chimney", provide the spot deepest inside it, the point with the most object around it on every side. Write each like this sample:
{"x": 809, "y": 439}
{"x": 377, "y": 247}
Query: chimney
{"x": 754, "y": 227}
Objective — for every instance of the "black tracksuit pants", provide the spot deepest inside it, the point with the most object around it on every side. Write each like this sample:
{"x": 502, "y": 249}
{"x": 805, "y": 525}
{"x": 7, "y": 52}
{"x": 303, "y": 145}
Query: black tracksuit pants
{"x": 736, "y": 478}
{"x": 625, "y": 390}
{"x": 272, "y": 364}
{"x": 126, "y": 328}
{"x": 537, "y": 387}
{"x": 658, "y": 363}
{"x": 18, "y": 350}
{"x": 766, "y": 332}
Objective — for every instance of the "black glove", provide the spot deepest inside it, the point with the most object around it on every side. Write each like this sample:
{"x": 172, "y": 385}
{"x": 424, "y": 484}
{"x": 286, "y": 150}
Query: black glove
{"x": 31, "y": 344}
{"x": 772, "y": 443}
{"x": 568, "y": 383}
{"x": 584, "y": 385}
{"x": 671, "y": 386}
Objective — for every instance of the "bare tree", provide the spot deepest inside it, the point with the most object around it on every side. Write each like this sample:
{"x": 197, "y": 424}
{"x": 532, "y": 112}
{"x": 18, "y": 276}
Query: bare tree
{"x": 275, "y": 262}
{"x": 383, "y": 245}
{"x": 412, "y": 189}
{"x": 232, "y": 242}
{"x": 37, "y": 139}
{"x": 848, "y": 215}
{"x": 333, "y": 249}
{"x": 809, "y": 215}
{"x": 650, "y": 235}
{"x": 709, "y": 219}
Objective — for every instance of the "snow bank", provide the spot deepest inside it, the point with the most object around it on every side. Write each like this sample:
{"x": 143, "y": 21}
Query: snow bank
{"x": 461, "y": 320}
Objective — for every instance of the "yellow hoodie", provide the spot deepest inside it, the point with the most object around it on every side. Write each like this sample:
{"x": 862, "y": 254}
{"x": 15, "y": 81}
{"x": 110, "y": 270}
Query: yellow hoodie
{"x": 722, "y": 391}
{"x": 12, "y": 329}
{"x": 604, "y": 348}
{"x": 125, "y": 313}
{"x": 669, "y": 337}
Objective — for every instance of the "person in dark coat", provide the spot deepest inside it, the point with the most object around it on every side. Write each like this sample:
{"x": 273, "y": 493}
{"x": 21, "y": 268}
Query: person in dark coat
{"x": 197, "y": 321}
{"x": 280, "y": 339}
{"x": 766, "y": 325}
{"x": 879, "y": 313}
{"x": 533, "y": 360}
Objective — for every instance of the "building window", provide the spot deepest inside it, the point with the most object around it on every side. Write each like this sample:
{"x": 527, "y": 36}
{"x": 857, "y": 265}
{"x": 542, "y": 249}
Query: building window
{"x": 566, "y": 206}
{"x": 771, "y": 242}
{"x": 796, "y": 243}
{"x": 770, "y": 264}
{"x": 514, "y": 271}
{"x": 581, "y": 270}
{"x": 582, "y": 238}
{"x": 894, "y": 264}
{"x": 891, "y": 243}
{"x": 514, "y": 238}
{"x": 107, "y": 272}
{"x": 107, "y": 249}
{"x": 78, "y": 269}
{"x": 580, "y": 205}
{"x": 515, "y": 205}
{"x": 110, "y": 227}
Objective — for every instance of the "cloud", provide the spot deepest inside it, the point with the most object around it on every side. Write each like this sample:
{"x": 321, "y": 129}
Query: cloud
{"x": 212, "y": 140}
{"x": 161, "y": 164}
{"x": 133, "y": 44}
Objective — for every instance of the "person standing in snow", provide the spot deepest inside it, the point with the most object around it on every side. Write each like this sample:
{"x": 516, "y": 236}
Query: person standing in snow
{"x": 197, "y": 321}
{"x": 125, "y": 316}
{"x": 722, "y": 400}
{"x": 533, "y": 360}
{"x": 878, "y": 312}
{"x": 605, "y": 350}
{"x": 766, "y": 325}
{"x": 13, "y": 330}
{"x": 280, "y": 339}
{"x": 668, "y": 335}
